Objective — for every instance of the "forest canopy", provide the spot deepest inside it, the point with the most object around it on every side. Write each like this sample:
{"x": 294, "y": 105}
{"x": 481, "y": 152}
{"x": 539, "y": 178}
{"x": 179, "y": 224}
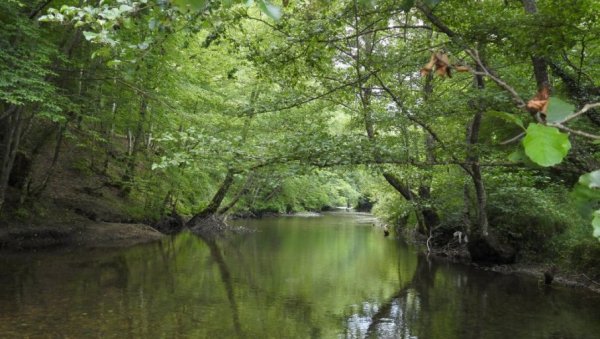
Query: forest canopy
{"x": 478, "y": 116}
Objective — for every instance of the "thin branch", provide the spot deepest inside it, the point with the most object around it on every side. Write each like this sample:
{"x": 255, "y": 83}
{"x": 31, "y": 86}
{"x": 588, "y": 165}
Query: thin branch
{"x": 588, "y": 278}
{"x": 38, "y": 9}
{"x": 355, "y": 35}
{"x": 316, "y": 97}
{"x": 585, "y": 108}
{"x": 513, "y": 139}
{"x": 516, "y": 97}
{"x": 574, "y": 131}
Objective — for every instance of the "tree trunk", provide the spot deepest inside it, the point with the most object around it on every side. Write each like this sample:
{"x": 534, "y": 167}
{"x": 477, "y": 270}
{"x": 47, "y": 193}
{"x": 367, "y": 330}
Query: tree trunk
{"x": 239, "y": 194}
{"x": 61, "y": 132}
{"x": 216, "y": 201}
{"x": 10, "y": 144}
{"x": 474, "y": 168}
{"x": 129, "y": 175}
{"x": 427, "y": 218}
{"x": 540, "y": 66}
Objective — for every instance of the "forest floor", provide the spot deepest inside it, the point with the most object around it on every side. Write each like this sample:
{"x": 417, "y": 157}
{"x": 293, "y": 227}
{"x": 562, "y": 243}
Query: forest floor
{"x": 78, "y": 208}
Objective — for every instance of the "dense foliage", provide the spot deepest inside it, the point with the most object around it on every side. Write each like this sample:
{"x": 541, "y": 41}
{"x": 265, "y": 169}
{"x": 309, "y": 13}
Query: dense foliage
{"x": 449, "y": 115}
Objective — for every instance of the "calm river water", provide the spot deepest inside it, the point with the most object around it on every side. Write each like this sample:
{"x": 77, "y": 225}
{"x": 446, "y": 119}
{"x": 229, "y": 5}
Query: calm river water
{"x": 333, "y": 276}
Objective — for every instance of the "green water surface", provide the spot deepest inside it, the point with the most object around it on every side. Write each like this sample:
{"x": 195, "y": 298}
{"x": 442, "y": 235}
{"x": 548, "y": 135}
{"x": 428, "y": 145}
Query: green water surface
{"x": 333, "y": 276}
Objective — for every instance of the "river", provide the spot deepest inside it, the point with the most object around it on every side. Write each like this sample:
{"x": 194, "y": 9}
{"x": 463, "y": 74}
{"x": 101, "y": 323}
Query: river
{"x": 334, "y": 276}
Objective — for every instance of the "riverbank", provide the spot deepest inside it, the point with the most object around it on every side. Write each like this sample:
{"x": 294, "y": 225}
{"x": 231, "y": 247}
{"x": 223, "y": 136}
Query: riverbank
{"x": 74, "y": 232}
{"x": 458, "y": 253}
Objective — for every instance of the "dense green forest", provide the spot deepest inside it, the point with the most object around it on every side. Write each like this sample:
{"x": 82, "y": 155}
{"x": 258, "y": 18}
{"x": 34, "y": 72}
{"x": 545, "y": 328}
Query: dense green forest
{"x": 445, "y": 115}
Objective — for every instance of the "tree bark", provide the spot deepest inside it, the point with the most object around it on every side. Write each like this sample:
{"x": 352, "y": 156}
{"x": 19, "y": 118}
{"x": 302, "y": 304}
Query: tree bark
{"x": 540, "y": 66}
{"x": 239, "y": 194}
{"x": 216, "y": 200}
{"x": 473, "y": 162}
{"x": 129, "y": 175}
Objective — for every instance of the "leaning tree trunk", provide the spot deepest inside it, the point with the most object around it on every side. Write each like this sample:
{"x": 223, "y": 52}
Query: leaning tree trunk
{"x": 215, "y": 202}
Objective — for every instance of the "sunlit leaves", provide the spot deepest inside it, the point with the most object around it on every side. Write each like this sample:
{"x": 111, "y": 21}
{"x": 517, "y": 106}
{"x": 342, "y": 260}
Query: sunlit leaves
{"x": 191, "y": 4}
{"x": 546, "y": 146}
{"x": 586, "y": 194}
{"x": 596, "y": 224}
{"x": 273, "y": 11}
{"x": 269, "y": 9}
{"x": 591, "y": 180}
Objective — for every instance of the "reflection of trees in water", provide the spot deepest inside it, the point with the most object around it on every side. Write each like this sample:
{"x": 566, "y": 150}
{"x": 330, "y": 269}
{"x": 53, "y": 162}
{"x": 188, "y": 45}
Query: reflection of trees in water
{"x": 395, "y": 317}
{"x": 13, "y": 278}
{"x": 217, "y": 256}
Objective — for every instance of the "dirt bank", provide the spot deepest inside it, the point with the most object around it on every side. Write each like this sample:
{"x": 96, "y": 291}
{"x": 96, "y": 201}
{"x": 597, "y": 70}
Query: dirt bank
{"x": 86, "y": 234}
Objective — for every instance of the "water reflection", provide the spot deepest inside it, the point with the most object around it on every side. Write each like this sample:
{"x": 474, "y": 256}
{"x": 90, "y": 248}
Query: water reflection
{"x": 329, "y": 277}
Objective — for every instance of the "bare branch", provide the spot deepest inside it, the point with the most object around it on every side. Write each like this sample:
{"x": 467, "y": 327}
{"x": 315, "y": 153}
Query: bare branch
{"x": 513, "y": 139}
{"x": 574, "y": 131}
{"x": 516, "y": 97}
{"x": 585, "y": 108}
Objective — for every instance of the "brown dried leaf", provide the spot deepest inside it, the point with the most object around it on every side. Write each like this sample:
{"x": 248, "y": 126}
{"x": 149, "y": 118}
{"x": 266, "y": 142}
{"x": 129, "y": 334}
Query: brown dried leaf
{"x": 539, "y": 103}
{"x": 429, "y": 66}
{"x": 460, "y": 68}
{"x": 441, "y": 64}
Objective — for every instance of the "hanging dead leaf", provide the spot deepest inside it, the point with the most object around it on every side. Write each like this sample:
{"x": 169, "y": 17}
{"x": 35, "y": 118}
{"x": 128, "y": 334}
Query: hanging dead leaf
{"x": 460, "y": 68}
{"x": 442, "y": 64}
{"x": 429, "y": 66}
{"x": 539, "y": 103}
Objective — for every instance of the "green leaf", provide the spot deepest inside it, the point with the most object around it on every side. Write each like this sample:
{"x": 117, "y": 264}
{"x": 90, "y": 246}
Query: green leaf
{"x": 558, "y": 110}
{"x": 591, "y": 180}
{"x": 586, "y": 192}
{"x": 367, "y": 3}
{"x": 193, "y": 4}
{"x": 89, "y": 35}
{"x": 274, "y": 12}
{"x": 596, "y": 224}
{"x": 545, "y": 145}
{"x": 512, "y": 118}
{"x": 113, "y": 63}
